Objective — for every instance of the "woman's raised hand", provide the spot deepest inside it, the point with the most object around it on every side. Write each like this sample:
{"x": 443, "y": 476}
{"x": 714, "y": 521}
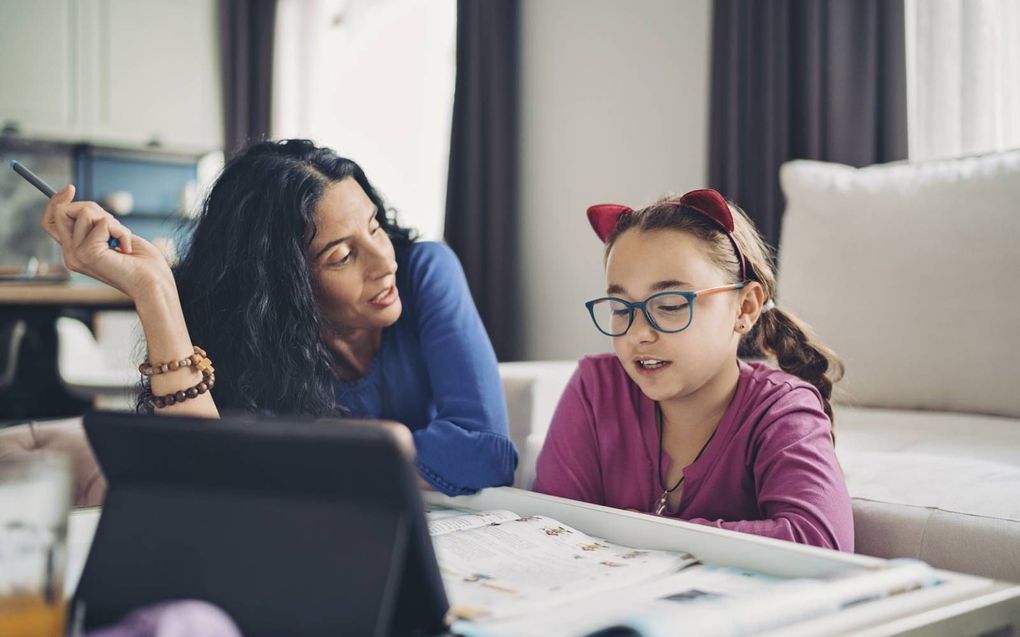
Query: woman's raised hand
{"x": 137, "y": 269}
{"x": 83, "y": 229}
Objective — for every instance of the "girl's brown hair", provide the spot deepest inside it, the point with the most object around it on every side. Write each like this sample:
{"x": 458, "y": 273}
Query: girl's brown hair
{"x": 778, "y": 333}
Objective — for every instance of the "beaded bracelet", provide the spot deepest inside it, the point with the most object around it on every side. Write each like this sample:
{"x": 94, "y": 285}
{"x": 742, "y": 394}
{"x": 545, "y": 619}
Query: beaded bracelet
{"x": 148, "y": 369}
{"x": 199, "y": 360}
{"x": 208, "y": 381}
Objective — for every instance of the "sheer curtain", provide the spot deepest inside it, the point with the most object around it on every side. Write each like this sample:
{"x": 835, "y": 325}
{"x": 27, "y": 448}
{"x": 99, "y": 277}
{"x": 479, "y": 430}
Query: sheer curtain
{"x": 374, "y": 80}
{"x": 963, "y": 76}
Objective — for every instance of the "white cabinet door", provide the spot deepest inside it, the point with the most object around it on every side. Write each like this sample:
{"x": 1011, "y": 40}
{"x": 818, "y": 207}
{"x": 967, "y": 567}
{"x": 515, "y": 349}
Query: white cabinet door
{"x": 156, "y": 73}
{"x": 38, "y": 68}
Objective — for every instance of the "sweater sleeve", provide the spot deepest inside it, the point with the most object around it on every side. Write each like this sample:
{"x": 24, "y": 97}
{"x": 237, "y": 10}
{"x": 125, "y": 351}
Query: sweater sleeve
{"x": 466, "y": 447}
{"x": 801, "y": 493}
{"x": 568, "y": 465}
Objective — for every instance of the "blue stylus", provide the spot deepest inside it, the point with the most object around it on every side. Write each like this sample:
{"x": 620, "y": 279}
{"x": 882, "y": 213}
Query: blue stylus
{"x": 45, "y": 189}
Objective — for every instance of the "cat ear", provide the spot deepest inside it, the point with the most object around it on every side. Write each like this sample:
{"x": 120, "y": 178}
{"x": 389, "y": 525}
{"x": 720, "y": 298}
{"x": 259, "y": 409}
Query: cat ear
{"x": 711, "y": 204}
{"x": 603, "y": 218}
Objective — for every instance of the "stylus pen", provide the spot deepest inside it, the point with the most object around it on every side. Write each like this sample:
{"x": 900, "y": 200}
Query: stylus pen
{"x": 45, "y": 189}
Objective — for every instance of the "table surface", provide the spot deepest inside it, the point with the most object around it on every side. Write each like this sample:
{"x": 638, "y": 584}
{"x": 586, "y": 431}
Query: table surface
{"x": 81, "y": 294}
{"x": 971, "y": 606}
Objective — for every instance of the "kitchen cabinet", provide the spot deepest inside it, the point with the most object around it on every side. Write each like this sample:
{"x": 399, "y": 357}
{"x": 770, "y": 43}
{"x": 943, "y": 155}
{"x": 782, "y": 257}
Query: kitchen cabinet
{"x": 157, "y": 73}
{"x": 121, "y": 72}
{"x": 38, "y": 68}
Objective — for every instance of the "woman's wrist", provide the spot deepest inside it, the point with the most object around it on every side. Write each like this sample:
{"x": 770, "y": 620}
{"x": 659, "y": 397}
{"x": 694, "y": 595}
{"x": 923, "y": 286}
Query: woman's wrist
{"x": 156, "y": 290}
{"x": 167, "y": 339}
{"x": 166, "y": 333}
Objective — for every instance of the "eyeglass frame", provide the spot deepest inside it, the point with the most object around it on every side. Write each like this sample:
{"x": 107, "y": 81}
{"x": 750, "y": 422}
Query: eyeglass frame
{"x": 643, "y": 306}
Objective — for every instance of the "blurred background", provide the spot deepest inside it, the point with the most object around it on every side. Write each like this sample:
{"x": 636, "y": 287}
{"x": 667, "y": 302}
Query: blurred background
{"x": 490, "y": 124}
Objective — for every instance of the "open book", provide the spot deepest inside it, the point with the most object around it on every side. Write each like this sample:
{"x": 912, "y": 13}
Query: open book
{"x": 508, "y": 575}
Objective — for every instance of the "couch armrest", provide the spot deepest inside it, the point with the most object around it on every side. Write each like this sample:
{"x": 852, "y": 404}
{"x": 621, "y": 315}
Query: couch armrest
{"x": 532, "y": 391}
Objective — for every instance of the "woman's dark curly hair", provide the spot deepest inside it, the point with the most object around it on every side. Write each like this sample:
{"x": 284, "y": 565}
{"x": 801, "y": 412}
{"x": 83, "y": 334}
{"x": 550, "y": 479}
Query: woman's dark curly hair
{"x": 245, "y": 281}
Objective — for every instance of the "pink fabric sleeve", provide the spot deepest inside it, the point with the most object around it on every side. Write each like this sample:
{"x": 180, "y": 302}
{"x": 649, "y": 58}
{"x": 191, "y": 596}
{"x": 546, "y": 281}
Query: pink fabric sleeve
{"x": 801, "y": 493}
{"x": 568, "y": 465}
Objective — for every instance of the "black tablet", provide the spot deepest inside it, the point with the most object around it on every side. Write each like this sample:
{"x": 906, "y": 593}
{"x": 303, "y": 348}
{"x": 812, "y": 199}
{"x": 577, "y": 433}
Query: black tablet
{"x": 296, "y": 528}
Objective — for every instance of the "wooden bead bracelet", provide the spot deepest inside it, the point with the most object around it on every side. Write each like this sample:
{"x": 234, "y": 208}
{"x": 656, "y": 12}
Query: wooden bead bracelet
{"x": 148, "y": 369}
{"x": 208, "y": 380}
{"x": 199, "y": 360}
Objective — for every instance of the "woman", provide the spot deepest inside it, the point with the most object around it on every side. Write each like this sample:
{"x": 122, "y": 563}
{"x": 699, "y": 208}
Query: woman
{"x": 309, "y": 299}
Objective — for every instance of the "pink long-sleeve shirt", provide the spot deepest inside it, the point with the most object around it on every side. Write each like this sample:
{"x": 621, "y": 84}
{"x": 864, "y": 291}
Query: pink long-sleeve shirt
{"x": 770, "y": 469}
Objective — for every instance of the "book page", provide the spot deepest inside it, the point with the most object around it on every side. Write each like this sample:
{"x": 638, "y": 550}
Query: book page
{"x": 707, "y": 601}
{"x": 517, "y": 566}
{"x": 691, "y": 586}
{"x": 443, "y": 521}
{"x": 784, "y": 603}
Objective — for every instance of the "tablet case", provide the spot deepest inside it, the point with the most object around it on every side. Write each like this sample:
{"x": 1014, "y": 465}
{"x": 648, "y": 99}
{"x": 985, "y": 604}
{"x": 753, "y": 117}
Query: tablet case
{"x": 293, "y": 527}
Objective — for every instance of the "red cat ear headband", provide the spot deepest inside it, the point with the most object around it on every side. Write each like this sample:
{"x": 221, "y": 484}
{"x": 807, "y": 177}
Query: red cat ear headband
{"x": 604, "y": 217}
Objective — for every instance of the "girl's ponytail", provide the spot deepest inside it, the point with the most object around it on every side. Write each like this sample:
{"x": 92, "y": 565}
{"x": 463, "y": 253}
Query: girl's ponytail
{"x": 786, "y": 338}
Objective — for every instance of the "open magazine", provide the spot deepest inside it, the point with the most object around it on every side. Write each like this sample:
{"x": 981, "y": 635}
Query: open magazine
{"x": 510, "y": 575}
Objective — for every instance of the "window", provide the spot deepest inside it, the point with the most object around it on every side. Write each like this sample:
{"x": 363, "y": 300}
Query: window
{"x": 374, "y": 80}
{"x": 963, "y": 76}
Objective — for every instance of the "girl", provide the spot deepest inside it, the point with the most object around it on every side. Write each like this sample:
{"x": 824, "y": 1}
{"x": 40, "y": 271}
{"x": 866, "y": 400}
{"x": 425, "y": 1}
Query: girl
{"x": 310, "y": 300}
{"x": 674, "y": 423}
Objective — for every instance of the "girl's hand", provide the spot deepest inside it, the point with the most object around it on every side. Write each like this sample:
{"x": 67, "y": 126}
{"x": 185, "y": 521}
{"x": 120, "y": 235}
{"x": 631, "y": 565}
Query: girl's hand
{"x": 82, "y": 229}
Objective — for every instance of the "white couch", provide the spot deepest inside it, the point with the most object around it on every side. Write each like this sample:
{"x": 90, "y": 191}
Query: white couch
{"x": 908, "y": 271}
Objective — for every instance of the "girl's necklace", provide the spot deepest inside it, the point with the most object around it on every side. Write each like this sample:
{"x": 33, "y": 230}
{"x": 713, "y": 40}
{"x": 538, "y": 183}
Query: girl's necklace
{"x": 661, "y": 505}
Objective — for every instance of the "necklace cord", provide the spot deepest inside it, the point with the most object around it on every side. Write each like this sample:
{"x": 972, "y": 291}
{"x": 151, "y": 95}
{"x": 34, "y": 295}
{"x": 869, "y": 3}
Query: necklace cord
{"x": 661, "y": 428}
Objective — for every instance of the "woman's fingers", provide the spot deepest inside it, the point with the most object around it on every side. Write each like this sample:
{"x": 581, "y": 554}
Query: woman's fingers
{"x": 82, "y": 225}
{"x": 63, "y": 225}
{"x": 123, "y": 236}
{"x": 64, "y": 196}
{"x": 96, "y": 235}
{"x": 83, "y": 230}
{"x": 50, "y": 229}
{"x": 69, "y": 218}
{"x": 62, "y": 217}
{"x": 47, "y": 223}
{"x": 81, "y": 218}
{"x": 49, "y": 218}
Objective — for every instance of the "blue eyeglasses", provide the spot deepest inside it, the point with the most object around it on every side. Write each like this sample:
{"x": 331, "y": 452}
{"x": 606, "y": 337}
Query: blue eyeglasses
{"x": 668, "y": 312}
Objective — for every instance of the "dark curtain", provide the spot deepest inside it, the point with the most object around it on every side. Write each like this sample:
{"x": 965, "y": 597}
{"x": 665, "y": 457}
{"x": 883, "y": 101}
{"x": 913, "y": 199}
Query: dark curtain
{"x": 481, "y": 195}
{"x": 246, "y": 57}
{"x": 802, "y": 79}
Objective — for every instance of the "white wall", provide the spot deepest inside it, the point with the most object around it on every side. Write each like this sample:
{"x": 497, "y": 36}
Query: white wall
{"x": 614, "y": 108}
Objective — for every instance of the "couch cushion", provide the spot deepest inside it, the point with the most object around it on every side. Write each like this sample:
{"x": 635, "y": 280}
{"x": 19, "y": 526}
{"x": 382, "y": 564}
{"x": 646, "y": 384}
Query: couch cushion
{"x": 959, "y": 436}
{"x": 968, "y": 465}
{"x": 971, "y": 487}
{"x": 908, "y": 272}
{"x": 935, "y": 486}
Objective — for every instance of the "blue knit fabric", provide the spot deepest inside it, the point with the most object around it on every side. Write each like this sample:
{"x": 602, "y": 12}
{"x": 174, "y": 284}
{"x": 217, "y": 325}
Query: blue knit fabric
{"x": 436, "y": 373}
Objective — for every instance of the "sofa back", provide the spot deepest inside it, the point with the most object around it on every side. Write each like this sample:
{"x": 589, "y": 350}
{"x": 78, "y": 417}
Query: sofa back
{"x": 909, "y": 272}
